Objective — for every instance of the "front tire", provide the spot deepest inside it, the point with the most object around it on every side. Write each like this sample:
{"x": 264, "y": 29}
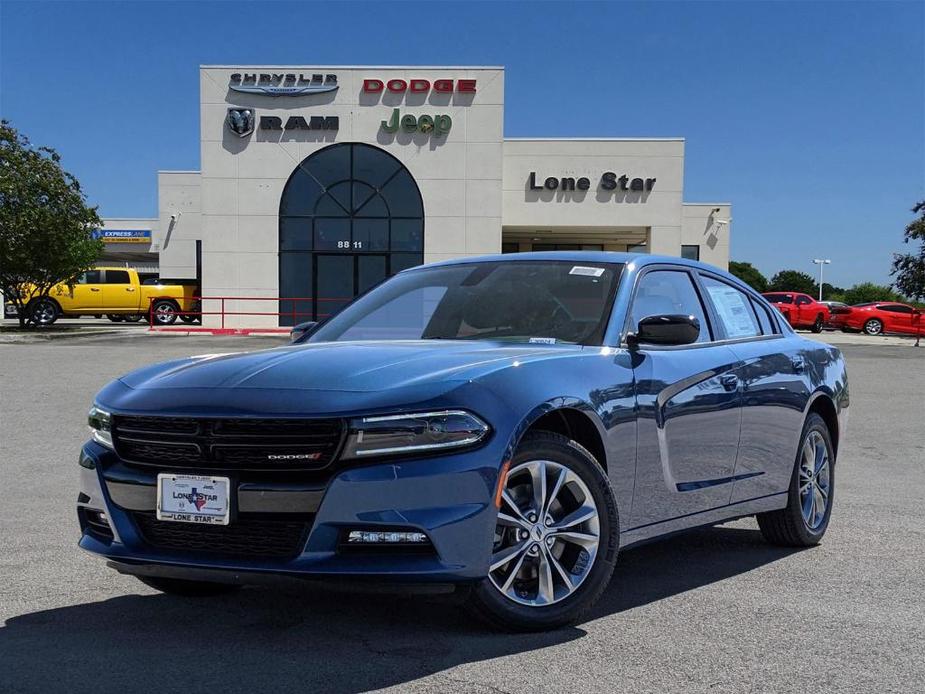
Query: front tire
{"x": 43, "y": 311}
{"x": 556, "y": 540}
{"x": 811, "y": 494}
{"x": 874, "y": 326}
{"x": 817, "y": 325}
{"x": 189, "y": 589}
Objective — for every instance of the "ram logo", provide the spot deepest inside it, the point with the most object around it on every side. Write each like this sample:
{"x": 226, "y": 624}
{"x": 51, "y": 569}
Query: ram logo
{"x": 295, "y": 456}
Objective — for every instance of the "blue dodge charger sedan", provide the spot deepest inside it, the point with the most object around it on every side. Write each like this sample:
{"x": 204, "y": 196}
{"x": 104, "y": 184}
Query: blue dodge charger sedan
{"x": 498, "y": 426}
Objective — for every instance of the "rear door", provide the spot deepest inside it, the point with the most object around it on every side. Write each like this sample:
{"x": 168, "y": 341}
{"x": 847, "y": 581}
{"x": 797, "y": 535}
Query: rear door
{"x": 774, "y": 392}
{"x": 687, "y": 401}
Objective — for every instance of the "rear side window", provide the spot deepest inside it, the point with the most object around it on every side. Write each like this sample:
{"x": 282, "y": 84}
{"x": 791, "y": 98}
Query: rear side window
{"x": 764, "y": 318}
{"x": 117, "y": 277}
{"x": 733, "y": 307}
{"x": 896, "y": 308}
{"x": 668, "y": 292}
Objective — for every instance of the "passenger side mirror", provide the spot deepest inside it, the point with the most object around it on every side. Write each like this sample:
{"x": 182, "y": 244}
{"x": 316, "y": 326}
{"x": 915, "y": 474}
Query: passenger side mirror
{"x": 302, "y": 330}
{"x": 666, "y": 330}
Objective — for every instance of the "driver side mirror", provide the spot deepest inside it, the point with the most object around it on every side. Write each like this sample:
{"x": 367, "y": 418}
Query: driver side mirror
{"x": 302, "y": 330}
{"x": 665, "y": 330}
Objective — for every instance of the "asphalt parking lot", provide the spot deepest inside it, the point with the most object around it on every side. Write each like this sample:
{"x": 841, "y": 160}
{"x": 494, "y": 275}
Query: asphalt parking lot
{"x": 716, "y": 610}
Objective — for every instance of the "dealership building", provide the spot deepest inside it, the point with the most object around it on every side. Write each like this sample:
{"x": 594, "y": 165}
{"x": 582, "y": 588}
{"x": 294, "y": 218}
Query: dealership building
{"x": 318, "y": 182}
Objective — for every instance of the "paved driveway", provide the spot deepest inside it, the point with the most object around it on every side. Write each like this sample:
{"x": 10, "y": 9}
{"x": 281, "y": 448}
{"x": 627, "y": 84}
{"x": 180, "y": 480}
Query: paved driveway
{"x": 716, "y": 610}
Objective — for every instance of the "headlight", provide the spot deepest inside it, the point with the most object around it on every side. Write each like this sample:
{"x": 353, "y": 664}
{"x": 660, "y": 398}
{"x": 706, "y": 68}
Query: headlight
{"x": 413, "y": 433}
{"x": 100, "y": 422}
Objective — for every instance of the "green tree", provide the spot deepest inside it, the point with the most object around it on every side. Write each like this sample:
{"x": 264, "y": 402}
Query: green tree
{"x": 830, "y": 292}
{"x": 749, "y": 274}
{"x": 45, "y": 224}
{"x": 793, "y": 281}
{"x": 909, "y": 268}
{"x": 866, "y": 292}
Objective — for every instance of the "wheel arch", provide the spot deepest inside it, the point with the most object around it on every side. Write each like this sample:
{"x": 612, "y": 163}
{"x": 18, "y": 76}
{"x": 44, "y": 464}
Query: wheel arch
{"x": 823, "y": 404}
{"x": 571, "y": 417}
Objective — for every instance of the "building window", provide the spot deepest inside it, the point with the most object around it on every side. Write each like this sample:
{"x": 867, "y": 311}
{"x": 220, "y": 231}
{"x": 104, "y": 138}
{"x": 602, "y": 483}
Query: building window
{"x": 568, "y": 247}
{"x": 510, "y": 247}
{"x": 690, "y": 252}
{"x": 350, "y": 215}
{"x": 637, "y": 248}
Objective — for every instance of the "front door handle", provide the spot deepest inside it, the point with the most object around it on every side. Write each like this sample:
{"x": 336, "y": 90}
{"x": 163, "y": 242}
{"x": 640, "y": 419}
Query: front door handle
{"x": 130, "y": 289}
{"x": 730, "y": 382}
{"x": 94, "y": 289}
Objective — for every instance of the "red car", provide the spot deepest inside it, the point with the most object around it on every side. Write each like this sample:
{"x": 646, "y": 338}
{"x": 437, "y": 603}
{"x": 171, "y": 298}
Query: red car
{"x": 884, "y": 317}
{"x": 800, "y": 310}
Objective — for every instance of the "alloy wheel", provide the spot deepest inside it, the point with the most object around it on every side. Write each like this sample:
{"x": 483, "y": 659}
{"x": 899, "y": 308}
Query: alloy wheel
{"x": 164, "y": 314}
{"x": 44, "y": 313}
{"x": 873, "y": 327}
{"x": 815, "y": 480}
{"x": 547, "y": 535}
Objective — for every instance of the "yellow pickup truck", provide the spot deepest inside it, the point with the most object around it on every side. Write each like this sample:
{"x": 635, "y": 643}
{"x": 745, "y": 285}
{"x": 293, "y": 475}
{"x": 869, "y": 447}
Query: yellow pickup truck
{"x": 117, "y": 292}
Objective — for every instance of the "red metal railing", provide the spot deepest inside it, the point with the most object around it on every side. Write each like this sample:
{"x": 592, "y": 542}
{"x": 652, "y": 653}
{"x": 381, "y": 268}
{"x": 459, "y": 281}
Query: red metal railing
{"x": 299, "y": 314}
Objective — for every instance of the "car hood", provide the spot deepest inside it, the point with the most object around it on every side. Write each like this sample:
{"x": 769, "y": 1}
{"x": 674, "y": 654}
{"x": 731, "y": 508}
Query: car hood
{"x": 343, "y": 366}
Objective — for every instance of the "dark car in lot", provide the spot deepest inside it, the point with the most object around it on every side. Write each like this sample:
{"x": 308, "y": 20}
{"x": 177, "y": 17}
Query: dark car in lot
{"x": 498, "y": 426}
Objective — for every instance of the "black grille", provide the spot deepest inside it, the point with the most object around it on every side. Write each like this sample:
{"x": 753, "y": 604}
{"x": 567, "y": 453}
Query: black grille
{"x": 237, "y": 444}
{"x": 246, "y": 536}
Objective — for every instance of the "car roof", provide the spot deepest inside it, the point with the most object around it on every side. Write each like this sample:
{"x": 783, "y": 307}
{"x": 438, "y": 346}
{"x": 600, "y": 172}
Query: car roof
{"x": 640, "y": 259}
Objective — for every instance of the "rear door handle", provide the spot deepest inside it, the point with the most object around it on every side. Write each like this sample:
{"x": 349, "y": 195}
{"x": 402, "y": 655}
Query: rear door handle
{"x": 730, "y": 381}
{"x": 130, "y": 289}
{"x": 94, "y": 289}
{"x": 799, "y": 364}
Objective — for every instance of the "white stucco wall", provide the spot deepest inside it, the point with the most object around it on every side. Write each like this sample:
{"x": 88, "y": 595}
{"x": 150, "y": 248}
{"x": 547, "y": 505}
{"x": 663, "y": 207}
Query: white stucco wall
{"x": 707, "y": 224}
{"x": 179, "y": 207}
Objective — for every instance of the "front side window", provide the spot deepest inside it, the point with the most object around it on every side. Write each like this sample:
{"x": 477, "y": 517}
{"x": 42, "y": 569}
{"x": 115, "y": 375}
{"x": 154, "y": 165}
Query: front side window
{"x": 542, "y": 302}
{"x": 91, "y": 277}
{"x": 803, "y": 300}
{"x": 668, "y": 292}
{"x": 779, "y": 298}
{"x": 733, "y": 308}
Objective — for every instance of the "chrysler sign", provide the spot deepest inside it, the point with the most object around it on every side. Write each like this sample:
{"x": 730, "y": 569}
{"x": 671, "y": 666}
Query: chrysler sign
{"x": 282, "y": 84}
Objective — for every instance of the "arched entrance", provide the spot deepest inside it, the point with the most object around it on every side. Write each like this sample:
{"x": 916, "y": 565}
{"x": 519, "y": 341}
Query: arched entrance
{"x": 350, "y": 215}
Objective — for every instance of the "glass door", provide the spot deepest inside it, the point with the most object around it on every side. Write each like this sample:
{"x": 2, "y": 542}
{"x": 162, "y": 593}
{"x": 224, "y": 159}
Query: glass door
{"x": 341, "y": 277}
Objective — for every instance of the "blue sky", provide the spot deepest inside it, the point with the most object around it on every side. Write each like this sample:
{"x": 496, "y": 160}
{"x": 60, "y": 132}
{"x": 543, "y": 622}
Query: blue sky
{"x": 808, "y": 117}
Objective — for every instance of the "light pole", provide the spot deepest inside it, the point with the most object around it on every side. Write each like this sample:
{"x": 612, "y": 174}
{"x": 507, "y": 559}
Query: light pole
{"x": 821, "y": 262}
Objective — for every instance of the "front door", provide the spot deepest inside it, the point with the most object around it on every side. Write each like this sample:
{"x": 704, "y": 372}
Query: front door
{"x": 86, "y": 293}
{"x": 689, "y": 409}
{"x": 339, "y": 278}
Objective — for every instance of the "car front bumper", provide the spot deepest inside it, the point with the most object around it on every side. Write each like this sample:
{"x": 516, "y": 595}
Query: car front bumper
{"x": 450, "y": 498}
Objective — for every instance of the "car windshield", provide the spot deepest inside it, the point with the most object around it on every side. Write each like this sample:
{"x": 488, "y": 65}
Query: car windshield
{"x": 542, "y": 302}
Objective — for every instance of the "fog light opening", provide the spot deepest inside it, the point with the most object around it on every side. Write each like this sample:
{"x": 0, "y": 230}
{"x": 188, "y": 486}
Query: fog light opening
{"x": 386, "y": 537}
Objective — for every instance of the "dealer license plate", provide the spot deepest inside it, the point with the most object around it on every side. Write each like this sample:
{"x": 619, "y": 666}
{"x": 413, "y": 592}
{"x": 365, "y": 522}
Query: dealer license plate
{"x": 193, "y": 499}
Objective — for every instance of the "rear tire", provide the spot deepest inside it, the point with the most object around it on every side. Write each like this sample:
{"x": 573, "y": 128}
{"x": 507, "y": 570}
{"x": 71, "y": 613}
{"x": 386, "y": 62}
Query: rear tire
{"x": 114, "y": 317}
{"x": 802, "y": 523}
{"x": 558, "y": 567}
{"x": 189, "y": 589}
{"x": 874, "y": 326}
{"x": 164, "y": 312}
